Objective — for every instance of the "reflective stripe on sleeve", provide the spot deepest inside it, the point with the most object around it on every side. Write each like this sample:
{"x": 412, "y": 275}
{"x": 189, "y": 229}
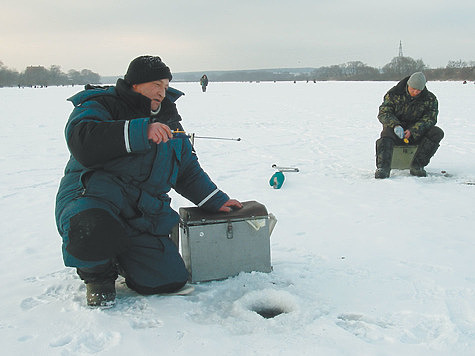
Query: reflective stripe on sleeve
{"x": 126, "y": 136}
{"x": 208, "y": 197}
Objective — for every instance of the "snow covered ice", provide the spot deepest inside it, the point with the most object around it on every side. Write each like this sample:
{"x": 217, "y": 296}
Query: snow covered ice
{"x": 360, "y": 266}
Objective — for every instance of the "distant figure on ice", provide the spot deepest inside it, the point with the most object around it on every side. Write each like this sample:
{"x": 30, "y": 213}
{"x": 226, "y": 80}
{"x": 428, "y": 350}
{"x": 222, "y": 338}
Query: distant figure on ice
{"x": 112, "y": 207}
{"x": 408, "y": 114}
{"x": 204, "y": 82}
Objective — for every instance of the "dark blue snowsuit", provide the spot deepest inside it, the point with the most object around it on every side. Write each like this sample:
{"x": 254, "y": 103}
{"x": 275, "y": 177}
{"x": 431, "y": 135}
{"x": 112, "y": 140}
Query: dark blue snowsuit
{"x": 112, "y": 207}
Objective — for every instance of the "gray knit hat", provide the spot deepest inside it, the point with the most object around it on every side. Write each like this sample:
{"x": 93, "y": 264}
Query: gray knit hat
{"x": 417, "y": 81}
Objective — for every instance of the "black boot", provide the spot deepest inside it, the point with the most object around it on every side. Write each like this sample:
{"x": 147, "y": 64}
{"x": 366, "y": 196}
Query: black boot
{"x": 384, "y": 155}
{"x": 100, "y": 284}
{"x": 425, "y": 151}
{"x": 418, "y": 171}
{"x": 100, "y": 294}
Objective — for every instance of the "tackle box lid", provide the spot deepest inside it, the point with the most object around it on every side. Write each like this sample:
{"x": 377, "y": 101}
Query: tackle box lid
{"x": 249, "y": 210}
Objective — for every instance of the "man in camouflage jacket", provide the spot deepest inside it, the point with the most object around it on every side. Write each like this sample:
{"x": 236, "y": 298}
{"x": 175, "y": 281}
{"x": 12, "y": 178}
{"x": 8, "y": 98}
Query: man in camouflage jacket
{"x": 408, "y": 115}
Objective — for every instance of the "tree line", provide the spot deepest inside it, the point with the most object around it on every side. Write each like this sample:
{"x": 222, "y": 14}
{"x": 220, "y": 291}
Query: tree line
{"x": 398, "y": 68}
{"x": 39, "y": 76}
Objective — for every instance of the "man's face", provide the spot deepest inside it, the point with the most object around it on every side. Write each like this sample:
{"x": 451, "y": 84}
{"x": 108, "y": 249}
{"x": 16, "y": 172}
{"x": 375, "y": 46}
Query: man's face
{"x": 413, "y": 92}
{"x": 155, "y": 91}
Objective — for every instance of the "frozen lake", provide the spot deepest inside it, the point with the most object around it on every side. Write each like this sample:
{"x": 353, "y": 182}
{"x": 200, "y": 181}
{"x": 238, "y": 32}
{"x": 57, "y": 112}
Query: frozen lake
{"x": 361, "y": 266}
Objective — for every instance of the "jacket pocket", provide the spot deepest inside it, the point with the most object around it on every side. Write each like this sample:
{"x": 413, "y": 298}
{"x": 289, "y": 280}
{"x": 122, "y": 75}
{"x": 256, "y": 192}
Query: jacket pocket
{"x": 157, "y": 216}
{"x": 103, "y": 187}
{"x": 151, "y": 205}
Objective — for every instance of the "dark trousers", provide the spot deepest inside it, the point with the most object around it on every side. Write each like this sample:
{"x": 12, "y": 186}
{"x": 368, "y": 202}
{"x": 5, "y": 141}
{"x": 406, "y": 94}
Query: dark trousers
{"x": 427, "y": 146}
{"x": 150, "y": 264}
{"x": 435, "y": 134}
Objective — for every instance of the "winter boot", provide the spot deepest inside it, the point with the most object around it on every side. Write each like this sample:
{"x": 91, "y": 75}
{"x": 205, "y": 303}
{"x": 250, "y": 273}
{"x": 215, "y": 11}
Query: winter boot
{"x": 425, "y": 152}
{"x": 100, "y": 284}
{"x": 384, "y": 154}
{"x": 100, "y": 294}
{"x": 418, "y": 171}
{"x": 382, "y": 173}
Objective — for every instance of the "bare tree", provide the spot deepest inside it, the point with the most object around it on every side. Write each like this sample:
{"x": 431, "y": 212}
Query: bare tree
{"x": 35, "y": 76}
{"x": 400, "y": 67}
{"x": 7, "y": 77}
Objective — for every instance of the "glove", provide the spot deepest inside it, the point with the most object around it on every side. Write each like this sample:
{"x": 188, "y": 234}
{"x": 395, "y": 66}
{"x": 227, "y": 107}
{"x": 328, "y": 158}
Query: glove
{"x": 399, "y": 131}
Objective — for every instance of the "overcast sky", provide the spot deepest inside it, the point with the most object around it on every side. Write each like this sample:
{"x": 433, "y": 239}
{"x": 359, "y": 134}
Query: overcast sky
{"x": 193, "y": 35}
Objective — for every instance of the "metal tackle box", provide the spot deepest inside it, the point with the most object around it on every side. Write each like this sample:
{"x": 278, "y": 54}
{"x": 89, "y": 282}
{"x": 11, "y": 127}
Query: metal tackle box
{"x": 220, "y": 245}
{"x": 403, "y": 156}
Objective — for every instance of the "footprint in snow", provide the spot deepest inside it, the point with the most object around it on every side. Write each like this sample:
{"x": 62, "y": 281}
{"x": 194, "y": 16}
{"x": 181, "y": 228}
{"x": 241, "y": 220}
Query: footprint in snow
{"x": 366, "y": 328}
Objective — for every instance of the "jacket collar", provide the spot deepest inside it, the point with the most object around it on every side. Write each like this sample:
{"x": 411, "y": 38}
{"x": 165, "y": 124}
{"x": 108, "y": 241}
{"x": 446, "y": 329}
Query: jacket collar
{"x": 132, "y": 98}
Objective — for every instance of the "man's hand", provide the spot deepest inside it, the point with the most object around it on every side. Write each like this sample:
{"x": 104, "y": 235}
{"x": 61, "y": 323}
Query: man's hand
{"x": 158, "y": 132}
{"x": 229, "y": 205}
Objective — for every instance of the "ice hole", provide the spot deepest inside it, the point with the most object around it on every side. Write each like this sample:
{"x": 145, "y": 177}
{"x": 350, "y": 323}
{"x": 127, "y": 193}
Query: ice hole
{"x": 268, "y": 303}
{"x": 269, "y": 312}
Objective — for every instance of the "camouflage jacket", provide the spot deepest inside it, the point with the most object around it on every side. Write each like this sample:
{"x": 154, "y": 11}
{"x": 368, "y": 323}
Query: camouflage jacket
{"x": 416, "y": 114}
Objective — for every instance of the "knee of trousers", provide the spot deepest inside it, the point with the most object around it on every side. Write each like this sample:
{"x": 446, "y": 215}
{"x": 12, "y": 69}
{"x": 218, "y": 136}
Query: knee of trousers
{"x": 435, "y": 134}
{"x": 384, "y": 144}
{"x": 388, "y": 133}
{"x": 95, "y": 235}
{"x": 153, "y": 265}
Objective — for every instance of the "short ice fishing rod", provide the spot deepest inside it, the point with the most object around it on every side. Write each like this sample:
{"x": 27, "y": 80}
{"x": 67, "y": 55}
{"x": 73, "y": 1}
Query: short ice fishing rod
{"x": 183, "y": 134}
{"x": 278, "y": 178}
{"x": 285, "y": 169}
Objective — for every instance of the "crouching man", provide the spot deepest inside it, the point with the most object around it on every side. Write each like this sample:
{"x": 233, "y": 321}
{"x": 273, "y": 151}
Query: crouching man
{"x": 112, "y": 207}
{"x": 408, "y": 114}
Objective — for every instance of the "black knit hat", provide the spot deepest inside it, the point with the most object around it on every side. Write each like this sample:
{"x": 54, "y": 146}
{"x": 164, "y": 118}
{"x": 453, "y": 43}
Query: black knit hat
{"x": 145, "y": 69}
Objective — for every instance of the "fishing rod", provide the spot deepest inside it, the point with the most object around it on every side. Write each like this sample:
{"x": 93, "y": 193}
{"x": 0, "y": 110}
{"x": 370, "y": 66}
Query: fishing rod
{"x": 217, "y": 138}
{"x": 183, "y": 134}
{"x": 285, "y": 169}
{"x": 278, "y": 177}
